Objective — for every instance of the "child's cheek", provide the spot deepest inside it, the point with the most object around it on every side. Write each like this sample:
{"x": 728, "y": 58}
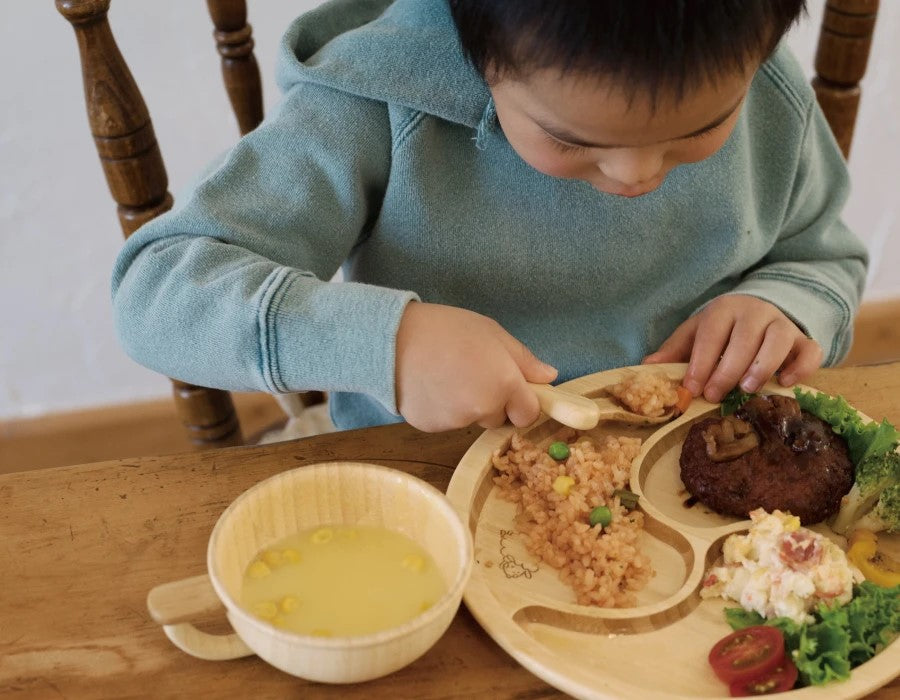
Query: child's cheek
{"x": 696, "y": 150}
{"x": 550, "y": 162}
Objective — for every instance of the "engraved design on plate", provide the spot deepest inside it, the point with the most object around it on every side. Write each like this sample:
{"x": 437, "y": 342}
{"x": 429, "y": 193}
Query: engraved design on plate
{"x": 508, "y": 563}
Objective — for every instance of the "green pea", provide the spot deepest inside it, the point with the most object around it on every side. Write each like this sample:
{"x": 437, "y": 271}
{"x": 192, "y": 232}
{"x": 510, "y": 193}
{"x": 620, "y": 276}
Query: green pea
{"x": 558, "y": 450}
{"x": 602, "y": 515}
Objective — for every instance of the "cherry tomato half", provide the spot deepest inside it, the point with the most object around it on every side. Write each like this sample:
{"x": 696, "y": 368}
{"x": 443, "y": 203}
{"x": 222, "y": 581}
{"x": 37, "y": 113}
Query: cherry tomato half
{"x": 778, "y": 680}
{"x": 748, "y": 653}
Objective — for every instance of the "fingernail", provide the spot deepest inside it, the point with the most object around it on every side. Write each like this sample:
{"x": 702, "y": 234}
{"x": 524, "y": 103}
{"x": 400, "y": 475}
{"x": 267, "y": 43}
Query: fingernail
{"x": 749, "y": 384}
{"x": 787, "y": 379}
{"x": 693, "y": 386}
{"x": 548, "y": 368}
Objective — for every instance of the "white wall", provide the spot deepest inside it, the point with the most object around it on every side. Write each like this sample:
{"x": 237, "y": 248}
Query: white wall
{"x": 59, "y": 234}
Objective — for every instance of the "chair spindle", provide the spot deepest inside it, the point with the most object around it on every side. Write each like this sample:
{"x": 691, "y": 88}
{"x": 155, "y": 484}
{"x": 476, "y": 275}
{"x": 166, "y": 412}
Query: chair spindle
{"x": 133, "y": 165}
{"x": 841, "y": 57}
{"x": 234, "y": 41}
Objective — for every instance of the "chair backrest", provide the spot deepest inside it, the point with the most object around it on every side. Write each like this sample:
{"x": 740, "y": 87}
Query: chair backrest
{"x": 133, "y": 165}
{"x": 845, "y": 40}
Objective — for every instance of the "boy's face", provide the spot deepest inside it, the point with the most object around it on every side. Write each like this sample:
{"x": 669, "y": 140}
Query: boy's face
{"x": 570, "y": 127}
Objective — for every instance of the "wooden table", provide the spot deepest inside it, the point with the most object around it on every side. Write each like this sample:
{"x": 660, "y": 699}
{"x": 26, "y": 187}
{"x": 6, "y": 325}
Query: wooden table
{"x": 81, "y": 546}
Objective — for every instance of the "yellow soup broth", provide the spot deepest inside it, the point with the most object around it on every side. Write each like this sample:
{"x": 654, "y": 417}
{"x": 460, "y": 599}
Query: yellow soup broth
{"x": 340, "y": 581}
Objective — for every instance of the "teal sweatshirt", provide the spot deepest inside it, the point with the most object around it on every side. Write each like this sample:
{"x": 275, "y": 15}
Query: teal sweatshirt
{"x": 385, "y": 158}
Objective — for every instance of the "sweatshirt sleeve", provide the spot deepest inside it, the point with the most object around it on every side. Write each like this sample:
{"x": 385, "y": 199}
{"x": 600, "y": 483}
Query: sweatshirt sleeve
{"x": 230, "y": 290}
{"x": 816, "y": 270}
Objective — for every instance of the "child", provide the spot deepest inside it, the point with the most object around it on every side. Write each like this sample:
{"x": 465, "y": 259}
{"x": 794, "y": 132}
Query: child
{"x": 583, "y": 182}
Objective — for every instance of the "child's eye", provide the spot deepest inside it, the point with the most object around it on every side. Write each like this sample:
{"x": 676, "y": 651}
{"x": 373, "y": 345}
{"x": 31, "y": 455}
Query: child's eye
{"x": 564, "y": 147}
{"x": 695, "y": 137}
{"x": 705, "y": 132}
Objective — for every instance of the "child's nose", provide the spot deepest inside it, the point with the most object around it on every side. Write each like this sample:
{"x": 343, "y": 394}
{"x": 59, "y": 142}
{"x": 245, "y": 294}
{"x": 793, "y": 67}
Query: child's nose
{"x": 631, "y": 167}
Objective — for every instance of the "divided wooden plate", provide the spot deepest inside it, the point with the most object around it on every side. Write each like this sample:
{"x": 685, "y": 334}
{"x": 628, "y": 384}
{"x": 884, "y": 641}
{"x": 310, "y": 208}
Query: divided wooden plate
{"x": 657, "y": 649}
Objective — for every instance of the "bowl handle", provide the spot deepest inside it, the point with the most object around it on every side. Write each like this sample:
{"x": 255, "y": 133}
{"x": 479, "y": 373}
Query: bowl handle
{"x": 172, "y": 604}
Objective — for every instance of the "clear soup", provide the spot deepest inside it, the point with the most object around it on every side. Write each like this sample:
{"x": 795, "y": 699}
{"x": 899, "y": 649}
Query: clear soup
{"x": 340, "y": 581}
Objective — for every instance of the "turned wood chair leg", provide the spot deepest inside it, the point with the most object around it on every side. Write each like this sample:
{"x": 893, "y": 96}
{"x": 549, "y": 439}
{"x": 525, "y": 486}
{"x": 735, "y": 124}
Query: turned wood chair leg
{"x": 208, "y": 415}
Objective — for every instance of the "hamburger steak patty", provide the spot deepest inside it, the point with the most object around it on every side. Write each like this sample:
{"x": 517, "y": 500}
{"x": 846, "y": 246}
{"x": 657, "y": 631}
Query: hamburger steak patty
{"x": 800, "y": 465}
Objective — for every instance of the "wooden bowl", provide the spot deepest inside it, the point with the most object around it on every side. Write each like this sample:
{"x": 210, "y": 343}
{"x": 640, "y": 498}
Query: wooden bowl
{"x": 336, "y": 493}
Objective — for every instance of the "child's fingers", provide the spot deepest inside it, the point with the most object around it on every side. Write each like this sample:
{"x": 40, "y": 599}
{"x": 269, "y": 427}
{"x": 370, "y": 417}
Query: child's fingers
{"x": 744, "y": 345}
{"x": 533, "y": 369}
{"x": 776, "y": 347}
{"x": 523, "y": 408}
{"x": 806, "y": 359}
{"x": 497, "y": 419}
{"x": 677, "y": 347}
{"x": 713, "y": 333}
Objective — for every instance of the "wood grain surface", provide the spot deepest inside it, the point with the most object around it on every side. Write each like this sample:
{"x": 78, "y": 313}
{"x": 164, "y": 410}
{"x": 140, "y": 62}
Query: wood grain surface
{"x": 83, "y": 545}
{"x": 111, "y": 432}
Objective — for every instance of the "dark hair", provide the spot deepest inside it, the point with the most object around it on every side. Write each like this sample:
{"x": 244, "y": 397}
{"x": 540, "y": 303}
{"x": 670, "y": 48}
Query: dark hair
{"x": 654, "y": 45}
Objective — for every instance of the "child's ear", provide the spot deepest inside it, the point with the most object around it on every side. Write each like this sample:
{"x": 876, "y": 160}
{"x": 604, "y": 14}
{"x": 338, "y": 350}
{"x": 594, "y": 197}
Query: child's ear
{"x": 492, "y": 76}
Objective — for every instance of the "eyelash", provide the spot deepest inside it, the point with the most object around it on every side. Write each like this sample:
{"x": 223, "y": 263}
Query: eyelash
{"x": 693, "y": 137}
{"x": 564, "y": 147}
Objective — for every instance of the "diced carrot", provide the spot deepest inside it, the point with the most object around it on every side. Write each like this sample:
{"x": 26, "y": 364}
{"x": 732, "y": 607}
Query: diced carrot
{"x": 684, "y": 399}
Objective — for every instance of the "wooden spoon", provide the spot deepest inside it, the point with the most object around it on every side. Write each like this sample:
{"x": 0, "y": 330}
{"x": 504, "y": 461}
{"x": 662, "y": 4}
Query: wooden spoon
{"x": 583, "y": 413}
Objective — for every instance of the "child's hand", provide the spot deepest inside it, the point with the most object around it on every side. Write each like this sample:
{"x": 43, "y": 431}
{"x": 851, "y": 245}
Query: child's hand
{"x": 739, "y": 339}
{"x": 457, "y": 367}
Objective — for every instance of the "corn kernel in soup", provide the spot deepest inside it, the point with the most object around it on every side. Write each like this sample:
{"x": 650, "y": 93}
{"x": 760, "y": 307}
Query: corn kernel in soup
{"x": 341, "y": 581}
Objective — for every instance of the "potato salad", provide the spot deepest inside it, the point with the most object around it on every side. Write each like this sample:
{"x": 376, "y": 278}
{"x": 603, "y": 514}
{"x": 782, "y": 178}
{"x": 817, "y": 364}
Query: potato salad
{"x": 780, "y": 569}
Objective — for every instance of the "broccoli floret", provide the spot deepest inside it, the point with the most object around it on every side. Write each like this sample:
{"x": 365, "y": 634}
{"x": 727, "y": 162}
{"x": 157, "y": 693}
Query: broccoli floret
{"x": 875, "y": 496}
{"x": 886, "y": 513}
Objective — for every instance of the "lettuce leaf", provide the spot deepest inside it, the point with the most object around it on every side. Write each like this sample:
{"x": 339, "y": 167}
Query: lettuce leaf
{"x": 739, "y": 618}
{"x": 842, "y": 636}
{"x": 823, "y": 651}
{"x": 862, "y": 440}
{"x": 873, "y": 619}
{"x": 733, "y": 400}
{"x": 877, "y": 438}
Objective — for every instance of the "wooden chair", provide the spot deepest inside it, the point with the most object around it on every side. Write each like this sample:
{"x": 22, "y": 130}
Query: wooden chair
{"x": 132, "y": 163}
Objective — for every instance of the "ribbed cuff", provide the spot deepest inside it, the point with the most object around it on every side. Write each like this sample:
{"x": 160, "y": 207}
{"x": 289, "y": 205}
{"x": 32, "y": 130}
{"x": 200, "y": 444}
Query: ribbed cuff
{"x": 331, "y": 336}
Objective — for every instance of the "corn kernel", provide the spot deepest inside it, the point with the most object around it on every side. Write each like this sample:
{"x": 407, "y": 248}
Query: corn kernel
{"x": 266, "y": 609}
{"x": 563, "y": 484}
{"x": 291, "y": 556}
{"x": 425, "y": 605}
{"x": 273, "y": 558}
{"x": 259, "y": 569}
{"x": 279, "y": 621}
{"x": 322, "y": 535}
{"x": 791, "y": 524}
{"x": 289, "y": 603}
{"x": 413, "y": 562}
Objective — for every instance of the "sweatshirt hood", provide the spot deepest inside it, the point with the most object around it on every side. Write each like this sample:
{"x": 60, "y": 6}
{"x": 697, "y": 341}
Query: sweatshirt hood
{"x": 405, "y": 52}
